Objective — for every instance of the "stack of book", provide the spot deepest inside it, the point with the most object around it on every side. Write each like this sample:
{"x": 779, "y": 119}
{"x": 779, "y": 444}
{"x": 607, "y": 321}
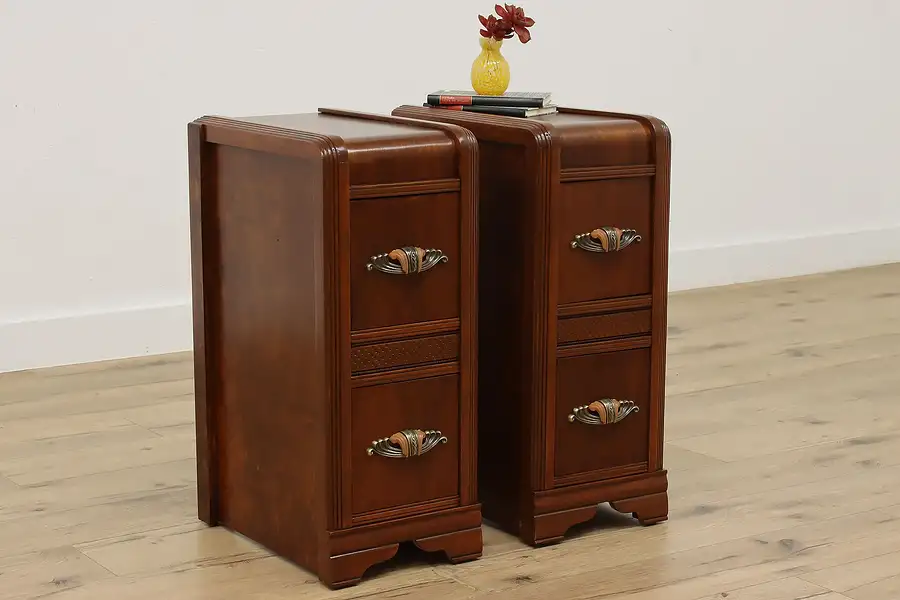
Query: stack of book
{"x": 511, "y": 104}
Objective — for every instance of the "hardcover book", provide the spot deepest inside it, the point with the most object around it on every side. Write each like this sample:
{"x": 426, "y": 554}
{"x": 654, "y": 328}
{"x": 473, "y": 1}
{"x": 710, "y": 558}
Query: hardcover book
{"x": 470, "y": 98}
{"x": 508, "y": 111}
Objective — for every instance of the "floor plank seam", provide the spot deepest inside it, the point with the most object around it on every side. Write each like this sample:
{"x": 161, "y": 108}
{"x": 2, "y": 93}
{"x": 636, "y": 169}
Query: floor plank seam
{"x": 147, "y": 429}
{"x": 114, "y": 575}
{"x": 51, "y": 482}
{"x": 763, "y": 455}
{"x": 53, "y": 395}
{"x": 144, "y": 532}
{"x": 447, "y": 573}
{"x": 106, "y": 472}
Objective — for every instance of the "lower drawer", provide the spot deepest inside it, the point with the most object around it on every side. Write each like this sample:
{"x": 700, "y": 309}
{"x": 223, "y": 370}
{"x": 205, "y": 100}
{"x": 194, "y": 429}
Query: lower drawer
{"x": 597, "y": 434}
{"x": 398, "y": 458}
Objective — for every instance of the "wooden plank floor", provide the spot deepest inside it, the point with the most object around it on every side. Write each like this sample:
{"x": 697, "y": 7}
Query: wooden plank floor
{"x": 783, "y": 450}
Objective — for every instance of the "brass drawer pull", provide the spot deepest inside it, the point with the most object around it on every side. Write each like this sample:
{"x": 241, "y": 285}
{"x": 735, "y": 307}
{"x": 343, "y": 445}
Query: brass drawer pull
{"x": 603, "y": 412}
{"x": 406, "y": 443}
{"x": 407, "y": 260}
{"x": 606, "y": 239}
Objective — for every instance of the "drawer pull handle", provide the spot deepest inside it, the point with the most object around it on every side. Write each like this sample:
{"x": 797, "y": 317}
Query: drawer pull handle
{"x": 406, "y": 443}
{"x": 407, "y": 260}
{"x": 603, "y": 412}
{"x": 606, "y": 239}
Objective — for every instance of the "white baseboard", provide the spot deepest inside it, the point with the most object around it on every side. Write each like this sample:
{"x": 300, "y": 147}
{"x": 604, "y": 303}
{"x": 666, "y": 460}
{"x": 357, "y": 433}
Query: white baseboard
{"x": 94, "y": 337}
{"x": 692, "y": 268}
{"x": 163, "y": 329}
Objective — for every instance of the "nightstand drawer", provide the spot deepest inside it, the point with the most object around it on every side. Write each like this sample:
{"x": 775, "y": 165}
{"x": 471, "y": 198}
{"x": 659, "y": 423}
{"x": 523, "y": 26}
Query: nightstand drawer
{"x": 604, "y": 238}
{"x": 602, "y": 415}
{"x": 404, "y": 447}
{"x": 414, "y": 352}
{"x": 404, "y": 260}
{"x": 573, "y": 330}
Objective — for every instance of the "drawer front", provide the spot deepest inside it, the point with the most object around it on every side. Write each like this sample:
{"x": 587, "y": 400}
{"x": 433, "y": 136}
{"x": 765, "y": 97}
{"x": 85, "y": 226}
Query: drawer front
{"x": 599, "y": 266}
{"x": 590, "y": 443}
{"x": 386, "y": 286}
{"x": 404, "y": 353}
{"x": 618, "y": 324}
{"x": 383, "y": 479}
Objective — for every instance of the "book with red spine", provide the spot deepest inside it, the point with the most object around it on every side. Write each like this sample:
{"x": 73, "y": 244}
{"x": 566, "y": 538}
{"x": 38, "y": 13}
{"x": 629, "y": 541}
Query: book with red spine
{"x": 470, "y": 98}
{"x": 508, "y": 111}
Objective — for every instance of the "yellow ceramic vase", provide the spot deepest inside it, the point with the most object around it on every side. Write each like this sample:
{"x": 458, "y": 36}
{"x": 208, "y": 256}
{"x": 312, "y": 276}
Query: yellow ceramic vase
{"x": 490, "y": 71}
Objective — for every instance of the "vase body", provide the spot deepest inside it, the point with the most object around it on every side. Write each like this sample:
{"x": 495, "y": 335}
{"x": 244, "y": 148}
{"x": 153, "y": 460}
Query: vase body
{"x": 490, "y": 71}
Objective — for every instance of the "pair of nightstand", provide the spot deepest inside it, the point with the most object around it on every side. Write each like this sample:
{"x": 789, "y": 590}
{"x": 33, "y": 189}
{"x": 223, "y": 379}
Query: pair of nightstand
{"x": 404, "y": 322}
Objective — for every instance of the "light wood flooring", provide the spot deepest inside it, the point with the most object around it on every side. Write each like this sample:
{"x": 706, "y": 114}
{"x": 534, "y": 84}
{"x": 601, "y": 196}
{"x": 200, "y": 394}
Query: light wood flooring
{"x": 783, "y": 450}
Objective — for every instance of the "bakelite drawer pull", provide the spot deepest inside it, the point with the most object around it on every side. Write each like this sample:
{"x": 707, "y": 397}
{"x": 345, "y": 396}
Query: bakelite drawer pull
{"x": 407, "y": 260}
{"x": 606, "y": 239}
{"x": 603, "y": 412}
{"x": 406, "y": 443}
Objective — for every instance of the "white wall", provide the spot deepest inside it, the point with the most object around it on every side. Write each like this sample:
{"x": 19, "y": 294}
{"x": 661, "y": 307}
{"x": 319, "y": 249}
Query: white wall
{"x": 783, "y": 115}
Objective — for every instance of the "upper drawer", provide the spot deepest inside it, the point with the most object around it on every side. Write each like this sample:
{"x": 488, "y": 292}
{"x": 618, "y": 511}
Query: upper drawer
{"x": 604, "y": 238}
{"x": 405, "y": 260}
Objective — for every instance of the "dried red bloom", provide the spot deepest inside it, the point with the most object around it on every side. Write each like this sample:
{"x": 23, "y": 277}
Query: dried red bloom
{"x": 495, "y": 28}
{"x": 515, "y": 19}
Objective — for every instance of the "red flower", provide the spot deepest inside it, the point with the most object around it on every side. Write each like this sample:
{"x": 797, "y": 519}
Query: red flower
{"x": 495, "y": 28}
{"x": 515, "y": 20}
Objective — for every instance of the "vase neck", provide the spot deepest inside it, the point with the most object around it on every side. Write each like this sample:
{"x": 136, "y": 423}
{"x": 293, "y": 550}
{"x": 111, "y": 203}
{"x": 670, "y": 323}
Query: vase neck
{"x": 490, "y": 44}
